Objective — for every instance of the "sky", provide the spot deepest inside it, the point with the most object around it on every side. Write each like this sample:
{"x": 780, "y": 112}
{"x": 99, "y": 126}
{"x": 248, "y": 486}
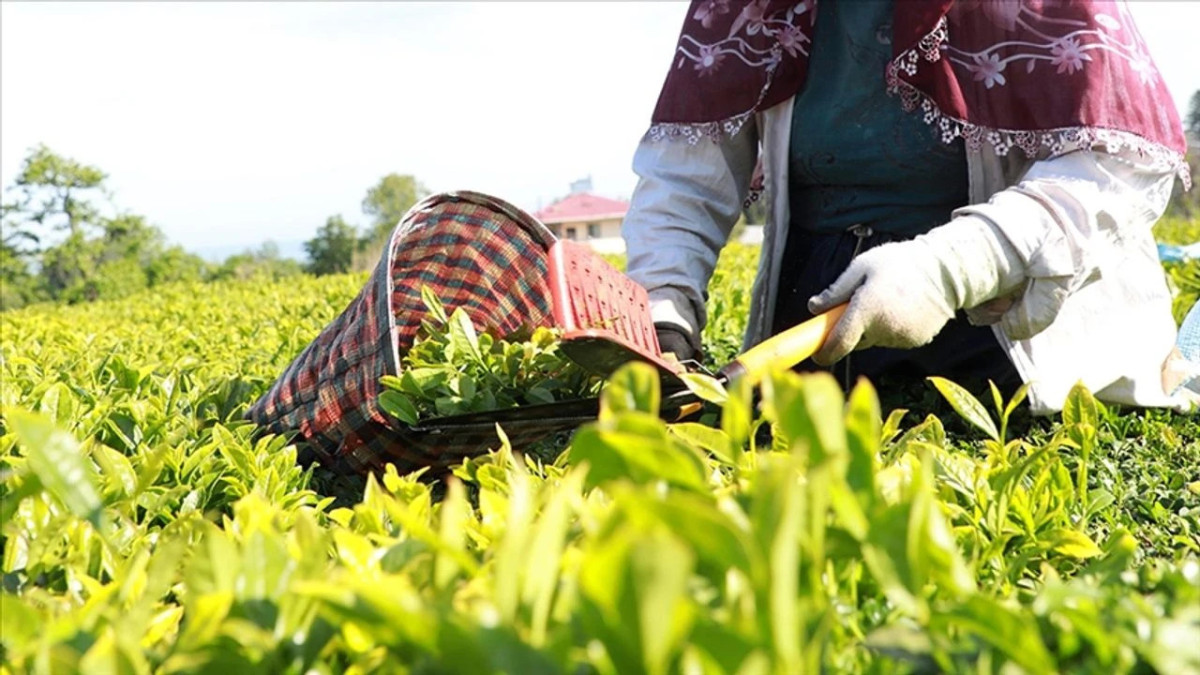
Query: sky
{"x": 228, "y": 124}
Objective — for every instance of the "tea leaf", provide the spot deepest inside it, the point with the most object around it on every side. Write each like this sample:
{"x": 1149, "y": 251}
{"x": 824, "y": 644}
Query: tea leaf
{"x": 705, "y": 437}
{"x": 434, "y": 304}
{"x": 705, "y": 387}
{"x": 634, "y": 387}
{"x": 967, "y": 406}
{"x": 453, "y": 516}
{"x": 462, "y": 335}
{"x": 641, "y": 456}
{"x": 1018, "y": 398}
{"x": 399, "y": 406}
{"x": 736, "y": 414}
{"x": 1005, "y": 631}
{"x": 1080, "y": 407}
{"x": 864, "y": 433}
{"x": 891, "y": 426}
{"x": 56, "y": 459}
{"x": 58, "y": 403}
{"x": 1074, "y": 544}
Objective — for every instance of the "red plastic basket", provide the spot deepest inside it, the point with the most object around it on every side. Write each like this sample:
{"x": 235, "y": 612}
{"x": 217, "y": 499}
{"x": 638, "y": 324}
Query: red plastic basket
{"x": 604, "y": 315}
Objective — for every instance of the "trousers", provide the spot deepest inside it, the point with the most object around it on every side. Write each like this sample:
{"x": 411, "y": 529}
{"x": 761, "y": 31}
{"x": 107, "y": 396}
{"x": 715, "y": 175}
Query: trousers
{"x": 960, "y": 352}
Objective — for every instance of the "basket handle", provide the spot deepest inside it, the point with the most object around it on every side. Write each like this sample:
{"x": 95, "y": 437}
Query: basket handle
{"x": 785, "y": 349}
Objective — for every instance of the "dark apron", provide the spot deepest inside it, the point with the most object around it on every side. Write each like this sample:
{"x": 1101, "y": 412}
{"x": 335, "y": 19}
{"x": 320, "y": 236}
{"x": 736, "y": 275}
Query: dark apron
{"x": 960, "y": 352}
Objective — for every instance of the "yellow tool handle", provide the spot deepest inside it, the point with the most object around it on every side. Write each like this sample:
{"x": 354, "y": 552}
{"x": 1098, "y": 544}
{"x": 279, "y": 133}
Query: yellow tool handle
{"x": 786, "y": 349}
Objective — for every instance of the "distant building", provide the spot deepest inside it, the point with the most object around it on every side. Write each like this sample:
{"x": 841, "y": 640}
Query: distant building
{"x": 586, "y": 217}
{"x": 595, "y": 220}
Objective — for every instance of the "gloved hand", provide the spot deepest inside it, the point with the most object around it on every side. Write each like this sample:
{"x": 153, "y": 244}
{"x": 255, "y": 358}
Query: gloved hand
{"x": 673, "y": 339}
{"x": 902, "y": 294}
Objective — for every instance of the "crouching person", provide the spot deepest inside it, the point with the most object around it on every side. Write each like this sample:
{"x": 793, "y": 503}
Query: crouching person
{"x": 977, "y": 180}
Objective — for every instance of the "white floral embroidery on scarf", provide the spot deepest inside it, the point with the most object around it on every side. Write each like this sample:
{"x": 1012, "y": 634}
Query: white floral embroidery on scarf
{"x": 1068, "y": 56}
{"x": 710, "y": 10}
{"x": 1068, "y": 52}
{"x": 988, "y": 68}
{"x": 708, "y": 60}
{"x": 1062, "y": 42}
{"x": 706, "y": 57}
{"x": 752, "y": 20}
{"x": 1108, "y": 22}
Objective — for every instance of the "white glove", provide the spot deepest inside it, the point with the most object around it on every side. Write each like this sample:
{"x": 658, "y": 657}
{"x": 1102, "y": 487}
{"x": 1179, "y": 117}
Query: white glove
{"x": 901, "y": 294}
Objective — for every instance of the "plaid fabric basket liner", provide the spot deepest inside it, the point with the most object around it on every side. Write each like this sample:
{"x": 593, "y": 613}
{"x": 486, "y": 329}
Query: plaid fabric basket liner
{"x": 473, "y": 251}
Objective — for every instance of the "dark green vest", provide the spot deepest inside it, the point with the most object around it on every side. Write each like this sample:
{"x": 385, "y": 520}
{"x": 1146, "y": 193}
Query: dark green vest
{"x": 857, "y": 158}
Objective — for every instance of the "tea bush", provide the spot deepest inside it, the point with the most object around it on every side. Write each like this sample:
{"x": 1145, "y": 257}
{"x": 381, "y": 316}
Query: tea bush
{"x": 146, "y": 528}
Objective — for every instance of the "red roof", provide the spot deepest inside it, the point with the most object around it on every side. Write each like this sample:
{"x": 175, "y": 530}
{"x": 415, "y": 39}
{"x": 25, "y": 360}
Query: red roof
{"x": 582, "y": 206}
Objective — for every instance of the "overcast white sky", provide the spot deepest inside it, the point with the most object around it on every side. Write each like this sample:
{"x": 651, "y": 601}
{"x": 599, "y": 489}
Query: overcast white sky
{"x": 229, "y": 123}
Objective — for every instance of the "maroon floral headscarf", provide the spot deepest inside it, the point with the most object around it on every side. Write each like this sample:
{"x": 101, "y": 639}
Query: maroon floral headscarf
{"x": 1047, "y": 76}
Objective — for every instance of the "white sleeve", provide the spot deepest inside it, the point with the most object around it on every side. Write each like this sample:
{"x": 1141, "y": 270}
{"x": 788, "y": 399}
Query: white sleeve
{"x": 687, "y": 200}
{"x": 1066, "y": 218}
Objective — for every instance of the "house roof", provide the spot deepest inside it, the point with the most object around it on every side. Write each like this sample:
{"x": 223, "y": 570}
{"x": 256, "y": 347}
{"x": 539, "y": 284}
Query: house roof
{"x": 582, "y": 206}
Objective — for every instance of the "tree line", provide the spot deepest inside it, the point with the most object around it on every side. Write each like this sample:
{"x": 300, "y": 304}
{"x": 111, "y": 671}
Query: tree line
{"x": 339, "y": 247}
{"x": 63, "y": 240}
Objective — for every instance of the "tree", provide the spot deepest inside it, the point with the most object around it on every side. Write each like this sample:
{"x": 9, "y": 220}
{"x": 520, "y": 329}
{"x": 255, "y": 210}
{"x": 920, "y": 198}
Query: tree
{"x": 388, "y": 201}
{"x": 66, "y": 269}
{"x": 1193, "y": 117}
{"x": 14, "y": 236}
{"x": 18, "y": 287}
{"x": 18, "y": 248}
{"x": 176, "y": 265}
{"x": 112, "y": 264}
{"x": 1187, "y": 204}
{"x": 332, "y": 250}
{"x": 53, "y": 194}
{"x": 265, "y": 263}
{"x": 56, "y": 191}
{"x": 95, "y": 255}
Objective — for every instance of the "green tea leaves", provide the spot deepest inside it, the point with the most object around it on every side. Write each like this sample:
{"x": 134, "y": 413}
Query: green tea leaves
{"x": 810, "y": 530}
{"x": 966, "y": 406}
{"x": 399, "y": 406}
{"x": 1074, "y": 544}
{"x": 462, "y": 338}
{"x": 634, "y": 598}
{"x": 705, "y": 388}
{"x": 634, "y": 387}
{"x": 637, "y": 449}
{"x": 453, "y": 369}
{"x": 59, "y": 463}
{"x": 1081, "y": 407}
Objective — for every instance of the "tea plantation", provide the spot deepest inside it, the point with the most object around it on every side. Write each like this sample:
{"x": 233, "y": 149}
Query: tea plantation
{"x": 147, "y": 528}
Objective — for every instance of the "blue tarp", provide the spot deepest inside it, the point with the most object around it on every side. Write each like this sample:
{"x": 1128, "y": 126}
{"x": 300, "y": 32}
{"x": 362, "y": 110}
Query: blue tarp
{"x": 1188, "y": 343}
{"x": 1171, "y": 253}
